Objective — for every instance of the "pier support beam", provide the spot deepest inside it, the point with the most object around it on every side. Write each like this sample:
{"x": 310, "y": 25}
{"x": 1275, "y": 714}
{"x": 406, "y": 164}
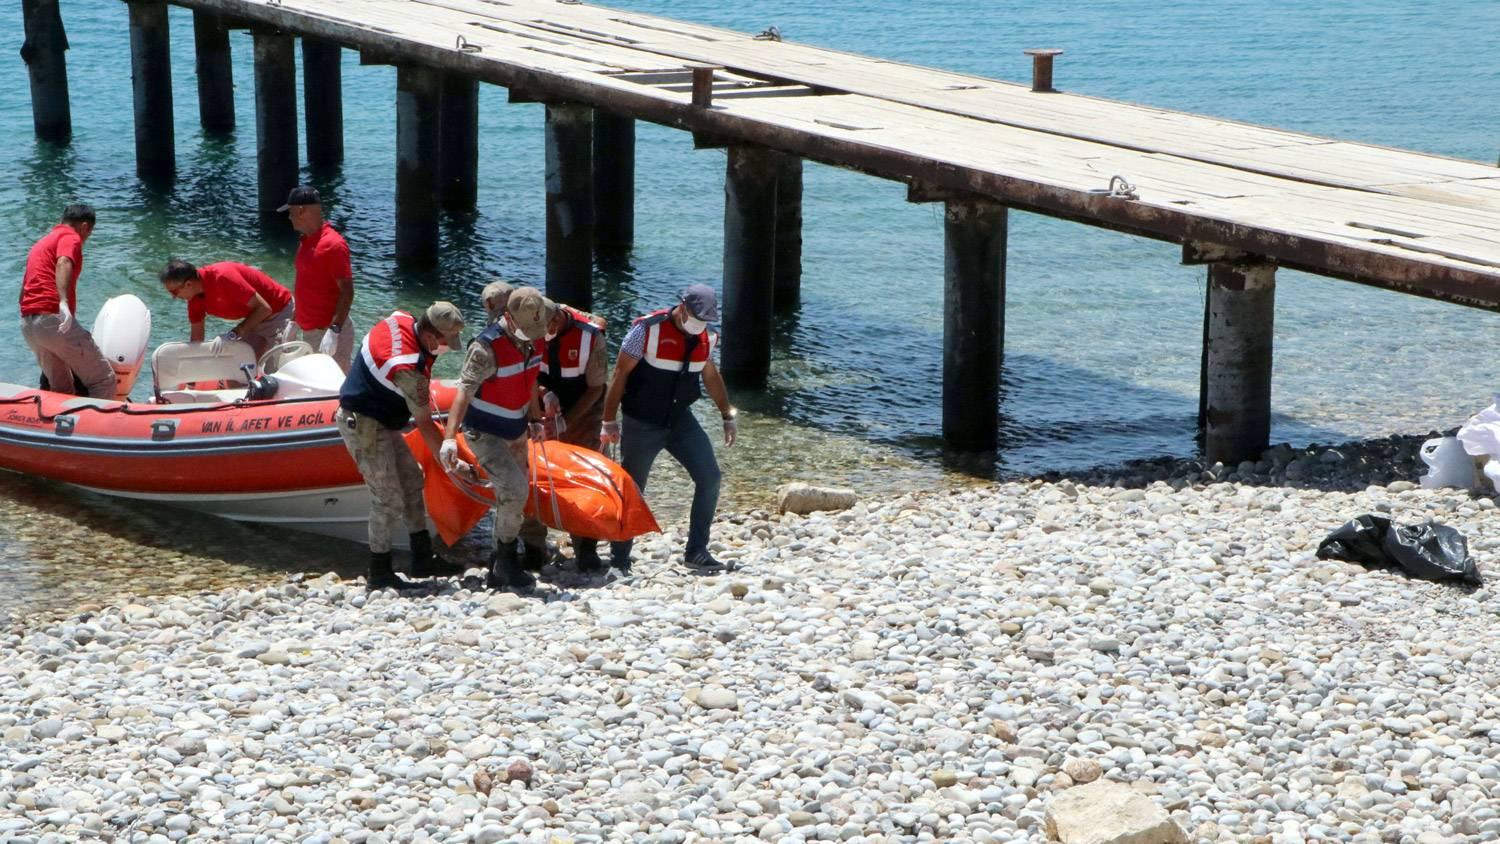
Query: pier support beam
{"x": 570, "y": 204}
{"x": 215, "y": 73}
{"x": 419, "y": 94}
{"x": 45, "y": 54}
{"x": 1241, "y": 319}
{"x": 275, "y": 120}
{"x": 614, "y": 184}
{"x": 323, "y": 102}
{"x": 749, "y": 264}
{"x": 789, "y": 235}
{"x": 460, "y": 143}
{"x": 151, "y": 72}
{"x": 973, "y": 321}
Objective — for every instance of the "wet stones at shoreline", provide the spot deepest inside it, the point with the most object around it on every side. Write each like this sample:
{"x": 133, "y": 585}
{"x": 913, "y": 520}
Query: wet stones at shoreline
{"x": 937, "y": 666}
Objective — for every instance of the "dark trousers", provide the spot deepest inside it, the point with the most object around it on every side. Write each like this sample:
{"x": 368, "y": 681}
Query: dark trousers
{"x": 641, "y": 442}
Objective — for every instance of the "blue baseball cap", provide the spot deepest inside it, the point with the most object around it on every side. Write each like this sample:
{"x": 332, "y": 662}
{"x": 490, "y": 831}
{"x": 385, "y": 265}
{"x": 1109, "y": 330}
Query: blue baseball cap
{"x": 702, "y": 302}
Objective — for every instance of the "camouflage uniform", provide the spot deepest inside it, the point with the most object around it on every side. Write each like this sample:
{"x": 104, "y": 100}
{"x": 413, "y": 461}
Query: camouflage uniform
{"x": 390, "y": 471}
{"x": 505, "y": 461}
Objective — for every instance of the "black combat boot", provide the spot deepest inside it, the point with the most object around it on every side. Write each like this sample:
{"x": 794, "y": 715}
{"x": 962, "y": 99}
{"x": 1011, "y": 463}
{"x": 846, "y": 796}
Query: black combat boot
{"x": 424, "y": 563}
{"x": 533, "y": 557}
{"x": 506, "y": 572}
{"x": 382, "y": 576}
{"x": 586, "y": 554}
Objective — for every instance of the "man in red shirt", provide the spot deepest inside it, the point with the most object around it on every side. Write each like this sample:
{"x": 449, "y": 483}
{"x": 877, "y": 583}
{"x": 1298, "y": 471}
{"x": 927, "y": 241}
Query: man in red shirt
{"x": 49, "y": 301}
{"x": 324, "y": 288}
{"x": 261, "y": 308}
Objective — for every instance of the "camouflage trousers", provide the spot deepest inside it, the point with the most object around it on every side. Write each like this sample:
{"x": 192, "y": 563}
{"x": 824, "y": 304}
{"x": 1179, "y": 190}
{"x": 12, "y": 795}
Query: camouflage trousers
{"x": 505, "y": 461}
{"x": 391, "y": 473}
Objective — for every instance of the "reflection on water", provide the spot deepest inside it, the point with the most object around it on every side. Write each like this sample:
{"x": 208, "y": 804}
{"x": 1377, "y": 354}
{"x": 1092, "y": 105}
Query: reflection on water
{"x": 61, "y": 548}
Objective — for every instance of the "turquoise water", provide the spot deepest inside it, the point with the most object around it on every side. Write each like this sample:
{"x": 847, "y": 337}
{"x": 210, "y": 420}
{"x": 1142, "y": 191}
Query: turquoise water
{"x": 1102, "y": 330}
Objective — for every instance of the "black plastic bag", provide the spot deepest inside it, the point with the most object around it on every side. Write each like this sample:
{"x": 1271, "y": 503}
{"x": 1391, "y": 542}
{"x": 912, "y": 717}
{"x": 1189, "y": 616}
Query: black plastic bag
{"x": 1428, "y": 550}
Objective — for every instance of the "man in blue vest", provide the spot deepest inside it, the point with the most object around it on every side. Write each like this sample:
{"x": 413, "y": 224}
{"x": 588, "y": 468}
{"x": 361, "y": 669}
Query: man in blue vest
{"x": 665, "y": 362}
{"x": 389, "y": 384}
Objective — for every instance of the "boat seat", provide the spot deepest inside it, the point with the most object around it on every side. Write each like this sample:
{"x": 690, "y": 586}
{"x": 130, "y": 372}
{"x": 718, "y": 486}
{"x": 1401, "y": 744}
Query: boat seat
{"x": 175, "y": 366}
{"x": 201, "y": 396}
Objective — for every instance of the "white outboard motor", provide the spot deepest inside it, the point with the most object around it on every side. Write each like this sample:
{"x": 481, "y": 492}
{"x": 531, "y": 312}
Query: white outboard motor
{"x": 309, "y": 375}
{"x": 122, "y": 330}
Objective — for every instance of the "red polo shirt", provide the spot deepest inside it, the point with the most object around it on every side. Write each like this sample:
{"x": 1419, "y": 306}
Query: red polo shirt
{"x": 322, "y": 259}
{"x": 228, "y": 289}
{"x": 39, "y": 285}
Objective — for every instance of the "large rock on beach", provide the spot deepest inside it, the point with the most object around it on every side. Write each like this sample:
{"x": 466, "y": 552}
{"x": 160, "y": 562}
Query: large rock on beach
{"x": 804, "y": 498}
{"x": 1107, "y": 812}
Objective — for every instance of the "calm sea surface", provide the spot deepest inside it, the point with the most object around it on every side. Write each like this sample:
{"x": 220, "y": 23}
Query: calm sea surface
{"x": 1102, "y": 330}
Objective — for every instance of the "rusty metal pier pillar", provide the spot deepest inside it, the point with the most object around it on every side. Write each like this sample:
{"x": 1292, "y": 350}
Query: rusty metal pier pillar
{"x": 151, "y": 73}
{"x": 323, "y": 102}
{"x": 749, "y": 264}
{"x": 419, "y": 93}
{"x": 973, "y": 321}
{"x": 45, "y": 54}
{"x": 459, "y": 138}
{"x": 1241, "y": 322}
{"x": 614, "y": 185}
{"x": 275, "y": 120}
{"x": 788, "y": 285}
{"x": 215, "y": 73}
{"x": 570, "y": 204}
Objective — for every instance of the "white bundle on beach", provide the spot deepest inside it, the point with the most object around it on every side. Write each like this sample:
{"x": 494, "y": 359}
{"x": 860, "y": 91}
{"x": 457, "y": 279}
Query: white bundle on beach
{"x": 1480, "y": 437}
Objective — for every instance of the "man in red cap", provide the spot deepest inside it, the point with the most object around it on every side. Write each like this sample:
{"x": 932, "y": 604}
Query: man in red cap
{"x": 261, "y": 308}
{"x": 49, "y": 304}
{"x": 324, "y": 288}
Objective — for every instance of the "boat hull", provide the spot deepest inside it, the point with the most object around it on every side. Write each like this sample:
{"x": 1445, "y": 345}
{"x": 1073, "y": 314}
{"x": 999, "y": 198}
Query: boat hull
{"x": 339, "y": 512}
{"x": 276, "y": 462}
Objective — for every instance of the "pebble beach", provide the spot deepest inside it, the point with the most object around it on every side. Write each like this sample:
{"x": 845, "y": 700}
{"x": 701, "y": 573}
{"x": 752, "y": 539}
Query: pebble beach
{"x": 917, "y": 668}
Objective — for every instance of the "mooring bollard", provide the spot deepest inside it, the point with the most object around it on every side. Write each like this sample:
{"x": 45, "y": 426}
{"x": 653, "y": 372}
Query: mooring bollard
{"x": 703, "y": 84}
{"x": 1041, "y": 69}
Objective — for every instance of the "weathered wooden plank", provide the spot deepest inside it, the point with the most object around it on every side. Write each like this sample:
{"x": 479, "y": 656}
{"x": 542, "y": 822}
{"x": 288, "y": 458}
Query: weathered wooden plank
{"x": 1199, "y": 177}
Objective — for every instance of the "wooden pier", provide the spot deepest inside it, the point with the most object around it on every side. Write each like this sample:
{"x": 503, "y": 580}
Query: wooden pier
{"x": 1240, "y": 199}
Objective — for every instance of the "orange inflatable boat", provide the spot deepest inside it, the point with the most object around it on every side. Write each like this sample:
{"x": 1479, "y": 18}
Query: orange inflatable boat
{"x": 245, "y": 439}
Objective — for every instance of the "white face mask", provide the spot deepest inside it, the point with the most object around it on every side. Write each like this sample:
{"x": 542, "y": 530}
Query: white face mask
{"x": 550, "y": 336}
{"x": 516, "y": 329}
{"x": 693, "y": 325}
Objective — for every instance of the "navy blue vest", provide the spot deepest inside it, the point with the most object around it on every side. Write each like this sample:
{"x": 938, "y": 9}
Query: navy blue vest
{"x": 365, "y": 394}
{"x": 664, "y": 382}
{"x": 502, "y": 404}
{"x": 556, "y": 375}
